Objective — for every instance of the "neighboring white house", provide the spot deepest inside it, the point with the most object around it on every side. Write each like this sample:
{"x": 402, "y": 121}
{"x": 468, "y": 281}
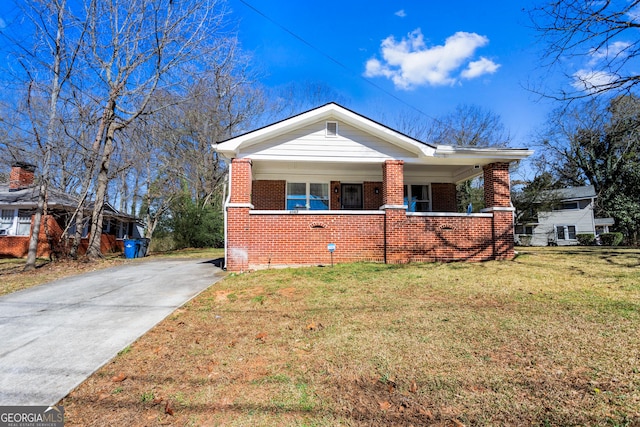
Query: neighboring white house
{"x": 573, "y": 215}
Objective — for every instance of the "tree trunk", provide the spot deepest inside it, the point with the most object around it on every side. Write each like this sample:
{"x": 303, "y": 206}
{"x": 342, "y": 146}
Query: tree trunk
{"x": 44, "y": 179}
{"x": 94, "y": 250}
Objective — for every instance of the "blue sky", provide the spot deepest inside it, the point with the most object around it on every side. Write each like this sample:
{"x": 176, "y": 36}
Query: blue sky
{"x": 433, "y": 55}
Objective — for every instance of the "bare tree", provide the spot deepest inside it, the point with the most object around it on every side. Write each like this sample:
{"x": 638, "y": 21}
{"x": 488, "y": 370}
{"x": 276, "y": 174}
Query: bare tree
{"x": 470, "y": 126}
{"x": 594, "y": 43}
{"x": 47, "y": 65}
{"x": 134, "y": 47}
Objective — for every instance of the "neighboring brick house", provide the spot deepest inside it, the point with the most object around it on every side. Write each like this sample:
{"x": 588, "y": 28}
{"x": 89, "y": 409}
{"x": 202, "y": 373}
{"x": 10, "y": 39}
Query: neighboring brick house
{"x": 332, "y": 176}
{"x": 18, "y": 201}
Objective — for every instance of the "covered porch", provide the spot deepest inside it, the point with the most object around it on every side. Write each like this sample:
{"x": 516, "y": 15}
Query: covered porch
{"x": 390, "y": 211}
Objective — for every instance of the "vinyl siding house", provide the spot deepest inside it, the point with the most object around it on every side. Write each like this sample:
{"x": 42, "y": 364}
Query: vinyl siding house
{"x": 332, "y": 176}
{"x": 18, "y": 201}
{"x": 572, "y": 215}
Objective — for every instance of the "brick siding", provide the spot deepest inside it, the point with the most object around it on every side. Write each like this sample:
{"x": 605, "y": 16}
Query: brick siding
{"x": 258, "y": 240}
{"x": 269, "y": 195}
{"x": 372, "y": 200}
{"x": 18, "y": 246}
{"x": 443, "y": 197}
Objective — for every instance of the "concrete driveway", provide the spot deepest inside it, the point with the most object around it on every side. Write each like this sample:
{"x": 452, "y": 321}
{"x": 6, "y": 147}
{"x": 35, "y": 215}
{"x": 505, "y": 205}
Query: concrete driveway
{"x": 53, "y": 336}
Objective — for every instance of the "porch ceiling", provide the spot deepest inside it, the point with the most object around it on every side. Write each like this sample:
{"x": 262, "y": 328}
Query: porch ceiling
{"x": 360, "y": 172}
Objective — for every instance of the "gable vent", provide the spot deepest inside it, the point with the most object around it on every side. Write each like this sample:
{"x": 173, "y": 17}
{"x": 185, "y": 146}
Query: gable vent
{"x": 332, "y": 128}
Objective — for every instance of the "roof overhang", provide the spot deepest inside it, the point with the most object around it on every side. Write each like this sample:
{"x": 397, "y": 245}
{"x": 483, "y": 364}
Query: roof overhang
{"x": 470, "y": 158}
{"x": 233, "y": 147}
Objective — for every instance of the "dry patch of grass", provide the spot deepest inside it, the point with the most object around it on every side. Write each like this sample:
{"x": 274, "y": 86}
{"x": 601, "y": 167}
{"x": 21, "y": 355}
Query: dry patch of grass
{"x": 548, "y": 339}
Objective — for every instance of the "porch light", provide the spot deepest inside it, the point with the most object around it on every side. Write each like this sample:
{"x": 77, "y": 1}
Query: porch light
{"x": 335, "y": 190}
{"x": 376, "y": 190}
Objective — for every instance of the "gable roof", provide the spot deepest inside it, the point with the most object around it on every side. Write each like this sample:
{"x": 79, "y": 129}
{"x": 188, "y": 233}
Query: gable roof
{"x": 234, "y": 147}
{"x": 27, "y": 198}
{"x": 574, "y": 193}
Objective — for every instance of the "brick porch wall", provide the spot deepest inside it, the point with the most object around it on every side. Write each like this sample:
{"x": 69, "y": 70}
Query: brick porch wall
{"x": 455, "y": 238}
{"x": 259, "y": 239}
{"x": 287, "y": 239}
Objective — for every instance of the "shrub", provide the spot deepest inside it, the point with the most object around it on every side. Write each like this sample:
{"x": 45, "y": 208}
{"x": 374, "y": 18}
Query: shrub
{"x": 611, "y": 239}
{"x": 525, "y": 239}
{"x": 586, "y": 239}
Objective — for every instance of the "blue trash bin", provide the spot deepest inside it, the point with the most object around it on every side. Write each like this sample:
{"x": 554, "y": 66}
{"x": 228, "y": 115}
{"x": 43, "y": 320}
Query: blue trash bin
{"x": 130, "y": 248}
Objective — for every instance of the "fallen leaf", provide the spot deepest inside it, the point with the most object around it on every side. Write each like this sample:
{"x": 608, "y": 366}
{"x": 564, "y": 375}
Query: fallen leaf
{"x": 157, "y": 400}
{"x": 384, "y": 405}
{"x": 457, "y": 423}
{"x": 103, "y": 396}
{"x": 119, "y": 378}
{"x": 413, "y": 387}
{"x": 233, "y": 343}
{"x": 168, "y": 408}
{"x": 313, "y": 326}
{"x": 427, "y": 413}
{"x": 262, "y": 336}
{"x": 170, "y": 329}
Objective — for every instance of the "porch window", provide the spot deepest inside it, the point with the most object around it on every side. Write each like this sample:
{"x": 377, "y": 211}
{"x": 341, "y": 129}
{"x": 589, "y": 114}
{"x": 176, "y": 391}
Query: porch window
{"x": 85, "y": 227}
{"x": 6, "y": 220}
{"x": 565, "y": 232}
{"x": 24, "y": 223}
{"x": 417, "y": 199}
{"x": 309, "y": 196}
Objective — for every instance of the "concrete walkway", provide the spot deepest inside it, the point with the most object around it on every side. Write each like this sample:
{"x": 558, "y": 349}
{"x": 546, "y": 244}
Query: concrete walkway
{"x": 53, "y": 336}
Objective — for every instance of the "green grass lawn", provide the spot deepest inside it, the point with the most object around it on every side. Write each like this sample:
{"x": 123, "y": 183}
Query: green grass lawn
{"x": 551, "y": 338}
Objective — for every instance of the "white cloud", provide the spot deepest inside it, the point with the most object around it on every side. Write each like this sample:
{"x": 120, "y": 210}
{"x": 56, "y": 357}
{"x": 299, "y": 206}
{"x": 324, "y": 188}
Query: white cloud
{"x": 401, "y": 13}
{"x": 592, "y": 81}
{"x": 410, "y": 63}
{"x": 609, "y": 52}
{"x": 480, "y": 67}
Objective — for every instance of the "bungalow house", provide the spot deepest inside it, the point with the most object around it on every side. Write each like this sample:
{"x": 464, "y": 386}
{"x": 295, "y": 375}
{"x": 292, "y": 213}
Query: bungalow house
{"x": 572, "y": 214}
{"x": 330, "y": 185}
{"x": 18, "y": 201}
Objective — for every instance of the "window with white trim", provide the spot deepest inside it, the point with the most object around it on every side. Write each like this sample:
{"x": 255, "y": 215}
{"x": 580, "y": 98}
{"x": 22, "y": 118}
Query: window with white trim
{"x": 307, "y": 196}
{"x": 565, "y": 232}
{"x": 417, "y": 197}
{"x": 24, "y": 223}
{"x": 6, "y": 221}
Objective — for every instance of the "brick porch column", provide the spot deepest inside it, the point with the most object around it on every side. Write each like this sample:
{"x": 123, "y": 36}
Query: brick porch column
{"x": 238, "y": 226}
{"x": 497, "y": 199}
{"x": 395, "y": 211}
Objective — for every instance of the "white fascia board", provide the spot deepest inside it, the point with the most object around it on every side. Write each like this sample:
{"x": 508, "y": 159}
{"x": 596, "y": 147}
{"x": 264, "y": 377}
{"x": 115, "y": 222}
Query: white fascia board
{"x": 232, "y": 147}
{"x": 483, "y": 155}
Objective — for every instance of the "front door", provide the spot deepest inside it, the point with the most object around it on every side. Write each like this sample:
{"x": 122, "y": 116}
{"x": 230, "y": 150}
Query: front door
{"x": 351, "y": 196}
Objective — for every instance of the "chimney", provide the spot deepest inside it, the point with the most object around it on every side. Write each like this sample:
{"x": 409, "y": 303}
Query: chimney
{"x": 22, "y": 176}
